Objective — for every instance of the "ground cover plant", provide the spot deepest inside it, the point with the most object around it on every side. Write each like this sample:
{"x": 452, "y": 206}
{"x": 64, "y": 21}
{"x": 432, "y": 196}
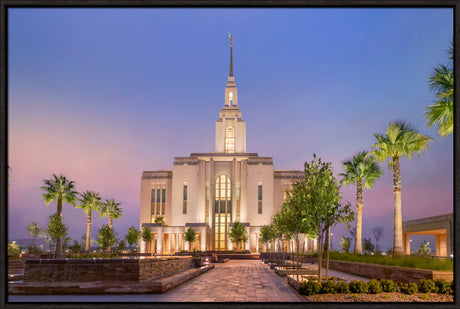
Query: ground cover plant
{"x": 331, "y": 287}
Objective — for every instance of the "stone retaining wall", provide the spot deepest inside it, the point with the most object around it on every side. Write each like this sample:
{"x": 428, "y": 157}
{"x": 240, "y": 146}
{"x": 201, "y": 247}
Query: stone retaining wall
{"x": 91, "y": 270}
{"x": 395, "y": 273}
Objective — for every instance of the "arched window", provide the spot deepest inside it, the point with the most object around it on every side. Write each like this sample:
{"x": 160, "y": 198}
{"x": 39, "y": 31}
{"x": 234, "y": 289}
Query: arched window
{"x": 229, "y": 140}
{"x": 230, "y": 99}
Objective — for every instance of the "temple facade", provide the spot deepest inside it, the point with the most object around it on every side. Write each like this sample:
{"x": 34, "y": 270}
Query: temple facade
{"x": 210, "y": 191}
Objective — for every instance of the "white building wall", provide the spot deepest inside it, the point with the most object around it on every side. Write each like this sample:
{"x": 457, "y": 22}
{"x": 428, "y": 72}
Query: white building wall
{"x": 260, "y": 174}
{"x": 184, "y": 174}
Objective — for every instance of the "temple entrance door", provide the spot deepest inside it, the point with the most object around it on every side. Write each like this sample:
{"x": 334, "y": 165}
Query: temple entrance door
{"x": 222, "y": 211}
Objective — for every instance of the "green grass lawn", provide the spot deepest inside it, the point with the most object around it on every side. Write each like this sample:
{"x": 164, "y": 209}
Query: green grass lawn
{"x": 402, "y": 261}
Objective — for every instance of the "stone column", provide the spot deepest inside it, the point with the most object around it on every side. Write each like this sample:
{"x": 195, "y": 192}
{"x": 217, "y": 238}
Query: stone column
{"x": 248, "y": 243}
{"x": 437, "y": 245}
{"x": 160, "y": 240}
{"x": 233, "y": 182}
{"x": 142, "y": 246}
{"x": 406, "y": 242}
{"x": 449, "y": 238}
{"x": 212, "y": 192}
{"x": 176, "y": 238}
{"x": 203, "y": 238}
{"x": 257, "y": 242}
{"x": 170, "y": 240}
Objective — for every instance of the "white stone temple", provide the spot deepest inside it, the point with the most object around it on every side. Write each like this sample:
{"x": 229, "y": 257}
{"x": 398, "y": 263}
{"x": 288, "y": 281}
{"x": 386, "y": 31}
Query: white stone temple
{"x": 210, "y": 191}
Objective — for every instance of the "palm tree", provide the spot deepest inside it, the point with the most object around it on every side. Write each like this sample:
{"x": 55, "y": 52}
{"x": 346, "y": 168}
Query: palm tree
{"x": 362, "y": 170}
{"x": 110, "y": 209}
{"x": 89, "y": 201}
{"x": 59, "y": 190}
{"x": 400, "y": 140}
{"x": 441, "y": 114}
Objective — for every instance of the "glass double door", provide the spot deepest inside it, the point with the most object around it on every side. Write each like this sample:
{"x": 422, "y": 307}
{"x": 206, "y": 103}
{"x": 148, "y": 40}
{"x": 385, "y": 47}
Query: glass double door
{"x": 222, "y": 211}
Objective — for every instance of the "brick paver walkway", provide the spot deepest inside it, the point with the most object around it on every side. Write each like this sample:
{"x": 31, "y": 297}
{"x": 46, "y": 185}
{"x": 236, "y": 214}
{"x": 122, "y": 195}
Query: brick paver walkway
{"x": 233, "y": 281}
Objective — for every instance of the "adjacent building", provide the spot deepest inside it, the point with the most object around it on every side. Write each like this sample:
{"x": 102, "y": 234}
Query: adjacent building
{"x": 209, "y": 191}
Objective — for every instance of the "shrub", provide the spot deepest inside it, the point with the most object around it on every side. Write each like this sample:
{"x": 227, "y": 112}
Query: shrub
{"x": 374, "y": 287}
{"x": 342, "y": 287}
{"x": 310, "y": 287}
{"x": 357, "y": 286}
{"x": 388, "y": 286}
{"x": 426, "y": 286}
{"x": 328, "y": 287}
{"x": 408, "y": 288}
{"x": 442, "y": 286}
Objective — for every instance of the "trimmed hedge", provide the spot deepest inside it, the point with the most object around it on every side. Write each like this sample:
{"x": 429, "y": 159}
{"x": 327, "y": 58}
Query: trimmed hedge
{"x": 374, "y": 286}
{"x": 408, "y": 288}
{"x": 443, "y": 287}
{"x": 309, "y": 288}
{"x": 426, "y": 286}
{"x": 357, "y": 286}
{"x": 328, "y": 287}
{"x": 388, "y": 286}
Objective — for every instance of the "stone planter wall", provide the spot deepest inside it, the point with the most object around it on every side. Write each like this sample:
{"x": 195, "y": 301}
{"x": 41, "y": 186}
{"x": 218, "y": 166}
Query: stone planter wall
{"x": 395, "y": 273}
{"x": 90, "y": 270}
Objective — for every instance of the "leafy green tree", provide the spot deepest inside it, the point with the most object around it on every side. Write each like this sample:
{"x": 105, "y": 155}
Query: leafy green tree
{"x": 89, "y": 201}
{"x": 160, "y": 219}
{"x": 147, "y": 237}
{"x": 367, "y": 245}
{"x": 56, "y": 229}
{"x": 345, "y": 244}
{"x": 106, "y": 237}
{"x": 35, "y": 230}
{"x": 59, "y": 190}
{"x": 361, "y": 170}
{"x": 320, "y": 196}
{"x": 238, "y": 234}
{"x": 190, "y": 236}
{"x": 75, "y": 247}
{"x": 441, "y": 80}
{"x": 399, "y": 140}
{"x": 13, "y": 248}
{"x": 121, "y": 245}
{"x": 132, "y": 237}
{"x": 424, "y": 248}
{"x": 111, "y": 210}
{"x": 267, "y": 234}
{"x": 378, "y": 233}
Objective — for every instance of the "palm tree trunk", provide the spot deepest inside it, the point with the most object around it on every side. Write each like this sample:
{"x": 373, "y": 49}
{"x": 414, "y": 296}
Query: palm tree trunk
{"x": 359, "y": 217}
{"x": 397, "y": 231}
{"x": 58, "y": 249}
{"x": 110, "y": 221}
{"x": 88, "y": 232}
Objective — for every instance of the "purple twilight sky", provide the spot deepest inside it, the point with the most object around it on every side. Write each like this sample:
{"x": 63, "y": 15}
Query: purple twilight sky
{"x": 101, "y": 95}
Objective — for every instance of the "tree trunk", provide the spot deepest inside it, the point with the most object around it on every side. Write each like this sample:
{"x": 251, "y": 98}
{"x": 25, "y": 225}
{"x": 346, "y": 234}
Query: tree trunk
{"x": 88, "y": 232}
{"x": 58, "y": 249}
{"x": 110, "y": 221}
{"x": 320, "y": 255}
{"x": 327, "y": 251}
{"x": 359, "y": 217}
{"x": 397, "y": 231}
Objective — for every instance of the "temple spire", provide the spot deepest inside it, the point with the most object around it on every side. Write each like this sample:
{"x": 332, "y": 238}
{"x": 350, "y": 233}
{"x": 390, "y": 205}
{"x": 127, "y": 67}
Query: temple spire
{"x": 231, "y": 54}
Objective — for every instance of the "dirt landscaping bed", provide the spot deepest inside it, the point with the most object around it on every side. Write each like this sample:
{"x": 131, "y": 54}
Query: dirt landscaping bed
{"x": 382, "y": 297}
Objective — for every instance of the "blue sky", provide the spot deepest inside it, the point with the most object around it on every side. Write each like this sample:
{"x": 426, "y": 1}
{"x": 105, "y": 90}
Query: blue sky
{"x": 101, "y": 95}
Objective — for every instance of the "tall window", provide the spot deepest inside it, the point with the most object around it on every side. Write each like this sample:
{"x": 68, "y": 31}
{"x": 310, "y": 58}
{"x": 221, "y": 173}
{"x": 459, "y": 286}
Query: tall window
{"x": 158, "y": 201}
{"x": 152, "y": 204}
{"x": 259, "y": 199}
{"x": 163, "y": 200}
{"x": 222, "y": 211}
{"x": 184, "y": 208}
{"x": 230, "y": 140}
{"x": 238, "y": 203}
